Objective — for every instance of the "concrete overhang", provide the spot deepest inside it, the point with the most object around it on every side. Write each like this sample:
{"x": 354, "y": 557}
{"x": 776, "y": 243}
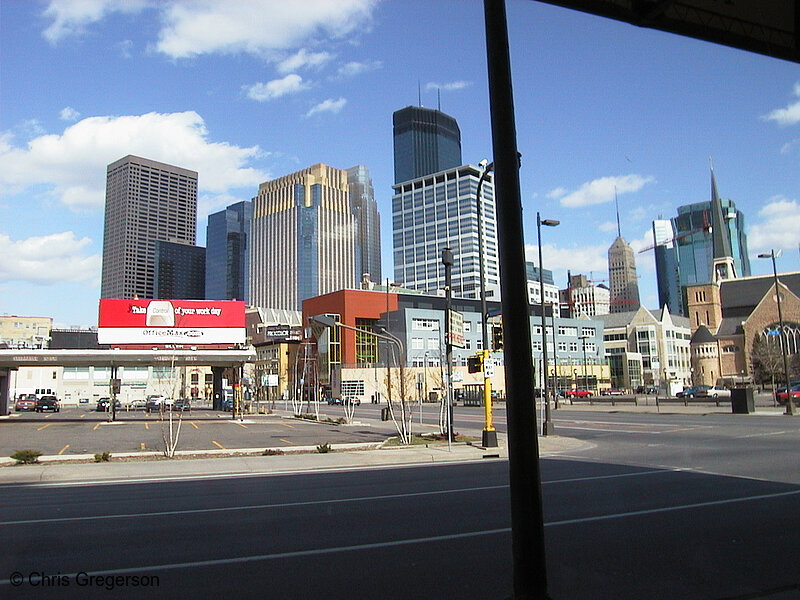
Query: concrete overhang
{"x": 11, "y": 359}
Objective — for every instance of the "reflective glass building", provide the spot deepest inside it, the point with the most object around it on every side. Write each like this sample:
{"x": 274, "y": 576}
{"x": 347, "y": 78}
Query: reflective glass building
{"x": 180, "y": 271}
{"x": 227, "y": 245}
{"x": 368, "y": 223}
{"x": 425, "y": 141}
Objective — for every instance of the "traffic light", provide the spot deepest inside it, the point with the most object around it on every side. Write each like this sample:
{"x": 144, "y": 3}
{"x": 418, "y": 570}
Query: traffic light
{"x": 497, "y": 338}
{"x": 475, "y": 363}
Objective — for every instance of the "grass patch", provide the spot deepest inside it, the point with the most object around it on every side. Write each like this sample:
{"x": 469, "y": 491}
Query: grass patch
{"x": 324, "y": 448}
{"x": 272, "y": 452}
{"x": 429, "y": 439}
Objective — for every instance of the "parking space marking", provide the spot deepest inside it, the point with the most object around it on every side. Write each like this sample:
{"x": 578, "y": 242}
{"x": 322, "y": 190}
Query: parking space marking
{"x": 193, "y": 424}
{"x": 43, "y": 427}
{"x": 286, "y": 441}
{"x": 218, "y": 445}
{"x": 83, "y": 416}
{"x": 62, "y": 450}
{"x": 240, "y": 424}
{"x": 141, "y": 446}
{"x": 286, "y": 424}
{"x": 96, "y": 426}
{"x": 147, "y": 426}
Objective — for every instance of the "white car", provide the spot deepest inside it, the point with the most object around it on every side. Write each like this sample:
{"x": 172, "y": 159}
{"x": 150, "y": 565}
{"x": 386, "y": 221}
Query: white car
{"x": 719, "y": 391}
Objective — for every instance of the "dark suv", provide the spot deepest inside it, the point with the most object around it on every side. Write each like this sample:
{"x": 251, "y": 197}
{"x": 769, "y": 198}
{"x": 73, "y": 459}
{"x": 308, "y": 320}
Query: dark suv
{"x": 47, "y": 403}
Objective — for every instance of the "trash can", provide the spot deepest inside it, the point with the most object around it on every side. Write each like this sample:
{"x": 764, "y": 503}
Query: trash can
{"x": 742, "y": 402}
{"x": 384, "y": 414}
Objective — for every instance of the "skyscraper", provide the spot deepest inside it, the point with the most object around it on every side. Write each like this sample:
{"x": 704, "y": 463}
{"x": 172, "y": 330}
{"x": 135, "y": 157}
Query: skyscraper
{"x": 622, "y": 277}
{"x": 302, "y": 238}
{"x": 441, "y": 211}
{"x": 180, "y": 271}
{"x": 691, "y": 248}
{"x": 425, "y": 141}
{"x": 667, "y": 274}
{"x": 368, "y": 223}
{"x": 227, "y": 252}
{"x": 146, "y": 201}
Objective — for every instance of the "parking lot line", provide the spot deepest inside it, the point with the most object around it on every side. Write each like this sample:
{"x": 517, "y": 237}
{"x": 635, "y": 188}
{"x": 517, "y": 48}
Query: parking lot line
{"x": 286, "y": 441}
{"x": 96, "y": 426}
{"x": 147, "y": 425}
{"x": 141, "y": 446}
{"x": 286, "y": 425}
{"x": 218, "y": 445}
{"x": 240, "y": 424}
{"x": 83, "y": 416}
{"x": 62, "y": 450}
{"x": 43, "y": 426}
{"x": 192, "y": 423}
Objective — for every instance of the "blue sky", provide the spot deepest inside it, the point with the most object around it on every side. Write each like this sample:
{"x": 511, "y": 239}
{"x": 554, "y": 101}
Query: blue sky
{"x": 244, "y": 91}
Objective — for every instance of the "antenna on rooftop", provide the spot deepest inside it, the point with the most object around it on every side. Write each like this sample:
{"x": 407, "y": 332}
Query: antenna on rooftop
{"x": 616, "y": 203}
{"x": 419, "y": 93}
{"x": 439, "y": 99}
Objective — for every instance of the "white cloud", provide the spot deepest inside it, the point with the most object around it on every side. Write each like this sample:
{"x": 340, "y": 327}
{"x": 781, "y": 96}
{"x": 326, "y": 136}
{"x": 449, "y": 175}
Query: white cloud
{"x": 786, "y": 116}
{"x": 259, "y": 27}
{"x": 354, "y": 68}
{"x": 69, "y": 114}
{"x": 330, "y": 105}
{"x": 556, "y": 193}
{"x": 447, "y": 87}
{"x": 291, "y": 84}
{"x": 70, "y": 17}
{"x": 58, "y": 257}
{"x": 303, "y": 59}
{"x": 607, "y": 227}
{"x": 603, "y": 189}
{"x": 577, "y": 259}
{"x": 779, "y": 226}
{"x": 73, "y": 164}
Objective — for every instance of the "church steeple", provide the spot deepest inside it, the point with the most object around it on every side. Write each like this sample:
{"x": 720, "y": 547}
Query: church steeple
{"x": 722, "y": 264}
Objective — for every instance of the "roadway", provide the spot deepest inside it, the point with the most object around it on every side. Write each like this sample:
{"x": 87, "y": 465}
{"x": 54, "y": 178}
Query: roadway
{"x": 654, "y": 506}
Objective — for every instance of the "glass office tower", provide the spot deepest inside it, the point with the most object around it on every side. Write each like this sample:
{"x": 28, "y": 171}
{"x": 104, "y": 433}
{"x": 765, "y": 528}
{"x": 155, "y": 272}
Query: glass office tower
{"x": 368, "y": 223}
{"x": 227, "y": 247}
{"x": 425, "y": 141}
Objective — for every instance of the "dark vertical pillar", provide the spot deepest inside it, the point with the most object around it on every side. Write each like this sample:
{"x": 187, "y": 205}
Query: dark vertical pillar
{"x": 216, "y": 384}
{"x": 529, "y": 565}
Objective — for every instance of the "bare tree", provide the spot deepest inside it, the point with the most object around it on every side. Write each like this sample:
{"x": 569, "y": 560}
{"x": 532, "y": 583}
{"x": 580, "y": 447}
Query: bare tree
{"x": 167, "y": 385}
{"x": 767, "y": 360}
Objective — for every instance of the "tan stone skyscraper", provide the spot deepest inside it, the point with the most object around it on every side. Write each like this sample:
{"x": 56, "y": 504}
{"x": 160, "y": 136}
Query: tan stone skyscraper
{"x": 302, "y": 238}
{"x": 622, "y": 278}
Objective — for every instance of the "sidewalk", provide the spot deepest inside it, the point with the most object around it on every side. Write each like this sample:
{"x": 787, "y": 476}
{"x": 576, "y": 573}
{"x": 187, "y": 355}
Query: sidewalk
{"x": 343, "y": 456}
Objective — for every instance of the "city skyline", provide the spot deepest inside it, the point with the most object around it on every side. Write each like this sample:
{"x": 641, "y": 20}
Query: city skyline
{"x": 320, "y": 84}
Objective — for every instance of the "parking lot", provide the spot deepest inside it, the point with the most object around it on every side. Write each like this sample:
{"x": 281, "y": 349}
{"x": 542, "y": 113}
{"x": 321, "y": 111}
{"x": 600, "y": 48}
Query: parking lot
{"x": 82, "y": 430}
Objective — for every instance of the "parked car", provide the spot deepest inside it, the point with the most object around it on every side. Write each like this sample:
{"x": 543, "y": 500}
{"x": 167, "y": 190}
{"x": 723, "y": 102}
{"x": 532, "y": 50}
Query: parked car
{"x": 25, "y": 402}
{"x": 332, "y": 400}
{"x": 719, "y": 391}
{"x": 578, "y": 393}
{"x": 695, "y": 391}
{"x": 612, "y": 392}
{"x": 182, "y": 404}
{"x": 138, "y": 404}
{"x": 154, "y": 403}
{"x": 780, "y": 394}
{"x": 354, "y": 400}
{"x": 103, "y": 405}
{"x": 47, "y": 403}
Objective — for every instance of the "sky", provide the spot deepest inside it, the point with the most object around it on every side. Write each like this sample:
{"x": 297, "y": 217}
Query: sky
{"x": 246, "y": 91}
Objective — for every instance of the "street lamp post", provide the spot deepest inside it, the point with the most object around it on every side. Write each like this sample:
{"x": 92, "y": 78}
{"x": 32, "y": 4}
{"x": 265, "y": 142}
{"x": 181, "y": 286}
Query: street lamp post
{"x": 447, "y": 261}
{"x": 547, "y": 426}
{"x": 489, "y": 435}
{"x": 789, "y": 406}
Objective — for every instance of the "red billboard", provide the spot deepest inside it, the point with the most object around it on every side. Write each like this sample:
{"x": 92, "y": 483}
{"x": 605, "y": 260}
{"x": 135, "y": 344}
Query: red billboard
{"x": 156, "y": 322}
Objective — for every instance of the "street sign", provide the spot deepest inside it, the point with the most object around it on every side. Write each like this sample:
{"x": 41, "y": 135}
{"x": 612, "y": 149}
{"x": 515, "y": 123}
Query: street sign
{"x": 456, "y": 329}
{"x": 488, "y": 368}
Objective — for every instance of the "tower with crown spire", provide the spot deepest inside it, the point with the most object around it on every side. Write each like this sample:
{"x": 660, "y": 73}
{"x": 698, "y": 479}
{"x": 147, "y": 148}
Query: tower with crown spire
{"x": 722, "y": 266}
{"x": 622, "y": 276}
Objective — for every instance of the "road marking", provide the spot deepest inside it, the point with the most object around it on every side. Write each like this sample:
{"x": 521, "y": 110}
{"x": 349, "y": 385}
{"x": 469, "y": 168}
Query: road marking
{"x": 62, "y": 450}
{"x": 147, "y": 426}
{"x": 43, "y": 427}
{"x": 240, "y": 424}
{"x": 83, "y": 416}
{"x": 286, "y": 441}
{"x": 752, "y": 435}
{"x": 192, "y": 423}
{"x": 376, "y": 545}
{"x": 141, "y": 446}
{"x": 218, "y": 445}
{"x": 96, "y": 426}
{"x": 286, "y": 424}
